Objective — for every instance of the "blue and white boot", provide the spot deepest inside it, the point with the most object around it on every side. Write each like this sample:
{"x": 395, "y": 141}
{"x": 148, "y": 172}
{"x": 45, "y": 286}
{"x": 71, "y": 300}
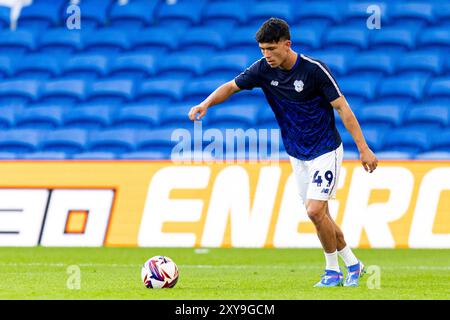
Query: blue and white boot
{"x": 330, "y": 278}
{"x": 355, "y": 272}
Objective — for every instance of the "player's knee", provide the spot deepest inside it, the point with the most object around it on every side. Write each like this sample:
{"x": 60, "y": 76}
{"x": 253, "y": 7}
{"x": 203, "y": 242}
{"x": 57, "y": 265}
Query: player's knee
{"x": 316, "y": 211}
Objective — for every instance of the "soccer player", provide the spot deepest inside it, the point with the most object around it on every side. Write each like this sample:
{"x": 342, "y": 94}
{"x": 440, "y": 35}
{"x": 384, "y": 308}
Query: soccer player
{"x": 302, "y": 93}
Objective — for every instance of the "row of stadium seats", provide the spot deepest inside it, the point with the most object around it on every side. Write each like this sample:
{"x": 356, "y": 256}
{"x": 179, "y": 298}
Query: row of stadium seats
{"x": 179, "y": 65}
{"x": 159, "y": 141}
{"x": 159, "y": 91}
{"x": 348, "y": 39}
{"x": 120, "y": 141}
{"x": 43, "y": 14}
{"x": 145, "y": 116}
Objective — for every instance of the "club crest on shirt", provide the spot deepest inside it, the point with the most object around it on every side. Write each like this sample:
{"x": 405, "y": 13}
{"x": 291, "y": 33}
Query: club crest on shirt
{"x": 298, "y": 84}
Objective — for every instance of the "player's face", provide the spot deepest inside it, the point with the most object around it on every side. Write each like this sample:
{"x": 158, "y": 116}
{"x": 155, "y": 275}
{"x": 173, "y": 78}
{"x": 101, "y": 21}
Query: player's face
{"x": 275, "y": 53}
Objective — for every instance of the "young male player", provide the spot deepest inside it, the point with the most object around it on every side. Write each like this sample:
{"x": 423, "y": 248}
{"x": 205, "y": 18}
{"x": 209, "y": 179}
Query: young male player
{"x": 302, "y": 93}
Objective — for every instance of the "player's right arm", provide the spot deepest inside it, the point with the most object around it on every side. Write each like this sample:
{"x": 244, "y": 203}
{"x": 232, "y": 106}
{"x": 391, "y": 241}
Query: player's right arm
{"x": 219, "y": 95}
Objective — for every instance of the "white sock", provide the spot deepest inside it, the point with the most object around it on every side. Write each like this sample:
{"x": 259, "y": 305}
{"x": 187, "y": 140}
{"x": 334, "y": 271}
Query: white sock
{"x": 348, "y": 256}
{"x": 332, "y": 261}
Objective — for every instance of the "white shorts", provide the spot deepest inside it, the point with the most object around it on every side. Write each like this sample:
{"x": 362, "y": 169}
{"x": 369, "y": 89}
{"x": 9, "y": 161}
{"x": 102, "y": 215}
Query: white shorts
{"x": 317, "y": 179}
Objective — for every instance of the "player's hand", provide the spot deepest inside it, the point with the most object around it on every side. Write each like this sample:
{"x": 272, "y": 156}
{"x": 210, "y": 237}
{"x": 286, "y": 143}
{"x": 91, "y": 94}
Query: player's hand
{"x": 369, "y": 160}
{"x": 197, "y": 112}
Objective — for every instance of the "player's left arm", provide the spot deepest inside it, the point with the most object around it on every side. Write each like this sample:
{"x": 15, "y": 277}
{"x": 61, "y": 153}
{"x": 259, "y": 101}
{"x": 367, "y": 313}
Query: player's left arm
{"x": 367, "y": 157}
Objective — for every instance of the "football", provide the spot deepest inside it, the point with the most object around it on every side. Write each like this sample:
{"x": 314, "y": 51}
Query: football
{"x": 159, "y": 272}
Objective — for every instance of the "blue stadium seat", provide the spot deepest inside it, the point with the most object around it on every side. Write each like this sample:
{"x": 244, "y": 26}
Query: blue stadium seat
{"x": 392, "y": 40}
{"x": 19, "y": 140}
{"x": 438, "y": 89}
{"x": 19, "y": 91}
{"x": 7, "y": 64}
{"x": 69, "y": 141}
{"x": 85, "y": 66}
{"x": 40, "y": 16}
{"x": 406, "y": 140}
{"x": 37, "y": 66}
{"x": 94, "y": 156}
{"x": 144, "y": 155}
{"x": 381, "y": 115}
{"x": 414, "y": 15}
{"x": 40, "y": 118}
{"x": 155, "y": 140}
{"x": 355, "y": 13}
{"x": 440, "y": 141}
{"x": 176, "y": 115}
{"x": 424, "y": 63}
{"x": 63, "y": 92}
{"x": 334, "y": 60}
{"x": 371, "y": 64}
{"x": 224, "y": 65}
{"x": 8, "y": 116}
{"x": 433, "y": 155}
{"x": 161, "y": 91}
{"x": 434, "y": 39}
{"x": 243, "y": 40}
{"x": 134, "y": 15}
{"x": 403, "y": 88}
{"x": 180, "y": 66}
{"x": 321, "y": 13}
{"x": 307, "y": 37}
{"x": 180, "y": 15}
{"x": 198, "y": 90}
{"x": 234, "y": 115}
{"x": 105, "y": 41}
{"x": 93, "y": 14}
{"x": 14, "y": 43}
{"x": 362, "y": 88}
{"x": 442, "y": 14}
{"x": 132, "y": 66}
{"x": 395, "y": 155}
{"x": 138, "y": 116}
{"x": 224, "y": 15}
{"x": 374, "y": 137}
{"x": 88, "y": 117}
{"x": 351, "y": 155}
{"x": 43, "y": 155}
{"x": 201, "y": 40}
{"x": 59, "y": 41}
{"x": 8, "y": 156}
{"x": 346, "y": 39}
{"x": 446, "y": 65}
{"x": 262, "y": 11}
{"x": 438, "y": 115}
{"x": 115, "y": 141}
{"x": 112, "y": 92}
{"x": 4, "y": 17}
{"x": 157, "y": 41}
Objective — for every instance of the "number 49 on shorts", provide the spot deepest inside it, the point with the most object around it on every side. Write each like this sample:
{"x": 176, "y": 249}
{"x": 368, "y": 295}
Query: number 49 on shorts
{"x": 318, "y": 178}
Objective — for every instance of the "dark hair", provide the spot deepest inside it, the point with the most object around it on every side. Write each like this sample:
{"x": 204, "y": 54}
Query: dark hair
{"x": 273, "y": 30}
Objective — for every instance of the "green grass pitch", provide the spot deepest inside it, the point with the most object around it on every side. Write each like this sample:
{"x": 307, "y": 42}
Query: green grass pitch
{"x": 230, "y": 274}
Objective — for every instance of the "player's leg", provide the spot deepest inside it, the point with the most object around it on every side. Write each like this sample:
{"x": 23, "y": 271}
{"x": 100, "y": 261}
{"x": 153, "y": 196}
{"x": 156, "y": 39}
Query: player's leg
{"x": 340, "y": 241}
{"x": 317, "y": 212}
{"x": 355, "y": 268}
{"x": 323, "y": 177}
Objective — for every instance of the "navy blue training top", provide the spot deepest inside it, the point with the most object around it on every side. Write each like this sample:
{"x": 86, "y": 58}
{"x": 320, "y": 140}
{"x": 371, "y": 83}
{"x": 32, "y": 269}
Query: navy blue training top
{"x": 300, "y": 99}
